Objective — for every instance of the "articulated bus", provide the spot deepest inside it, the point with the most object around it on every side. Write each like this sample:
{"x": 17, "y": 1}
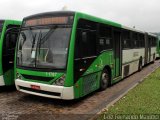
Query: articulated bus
{"x": 8, "y": 37}
{"x": 67, "y": 55}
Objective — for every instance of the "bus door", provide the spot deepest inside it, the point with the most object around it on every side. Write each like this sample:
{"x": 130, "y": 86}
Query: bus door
{"x": 146, "y": 49}
{"x": 9, "y": 44}
{"x": 149, "y": 49}
{"x": 117, "y": 52}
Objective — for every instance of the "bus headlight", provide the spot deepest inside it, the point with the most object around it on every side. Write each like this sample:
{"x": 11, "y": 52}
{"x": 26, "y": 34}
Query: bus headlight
{"x": 60, "y": 81}
{"x": 18, "y": 76}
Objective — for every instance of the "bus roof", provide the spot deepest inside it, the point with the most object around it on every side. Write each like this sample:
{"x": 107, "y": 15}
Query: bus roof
{"x": 133, "y": 29}
{"x": 14, "y": 22}
{"x": 97, "y": 19}
{"x": 151, "y": 34}
{"x": 50, "y": 14}
{"x": 9, "y": 20}
{"x": 72, "y": 13}
{"x": 85, "y": 16}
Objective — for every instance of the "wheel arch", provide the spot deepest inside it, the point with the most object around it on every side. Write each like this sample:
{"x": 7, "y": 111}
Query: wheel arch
{"x": 108, "y": 68}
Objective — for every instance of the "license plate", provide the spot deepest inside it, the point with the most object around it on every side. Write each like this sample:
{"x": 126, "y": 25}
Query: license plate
{"x": 35, "y": 87}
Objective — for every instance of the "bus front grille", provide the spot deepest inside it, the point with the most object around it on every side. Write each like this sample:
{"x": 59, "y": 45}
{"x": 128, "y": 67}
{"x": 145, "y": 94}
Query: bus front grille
{"x": 39, "y": 78}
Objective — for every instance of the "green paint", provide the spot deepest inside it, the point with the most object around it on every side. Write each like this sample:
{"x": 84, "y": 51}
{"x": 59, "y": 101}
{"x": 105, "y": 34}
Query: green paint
{"x": 69, "y": 77}
{"x": 104, "y": 59}
{"x": 9, "y": 77}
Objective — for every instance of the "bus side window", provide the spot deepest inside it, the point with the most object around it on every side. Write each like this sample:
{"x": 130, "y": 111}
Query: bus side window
{"x": 135, "y": 40}
{"x": 105, "y": 38}
{"x": 7, "y": 42}
{"x": 10, "y": 43}
{"x": 154, "y": 42}
{"x": 13, "y": 41}
{"x": 126, "y": 40}
{"x": 88, "y": 43}
{"x": 85, "y": 45}
{"x": 141, "y": 40}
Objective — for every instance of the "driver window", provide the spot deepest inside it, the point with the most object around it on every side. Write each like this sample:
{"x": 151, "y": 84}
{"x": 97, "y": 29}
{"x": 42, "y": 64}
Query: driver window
{"x": 10, "y": 42}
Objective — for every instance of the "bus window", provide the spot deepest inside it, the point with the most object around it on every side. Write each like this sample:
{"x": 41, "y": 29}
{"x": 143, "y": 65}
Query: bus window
{"x": 85, "y": 39}
{"x": 141, "y": 40}
{"x": 10, "y": 43}
{"x": 153, "y": 42}
{"x": 105, "y": 38}
{"x": 135, "y": 39}
{"x": 9, "y": 48}
{"x": 126, "y": 43}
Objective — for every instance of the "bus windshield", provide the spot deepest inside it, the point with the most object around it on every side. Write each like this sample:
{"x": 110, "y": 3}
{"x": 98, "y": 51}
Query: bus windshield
{"x": 43, "y": 47}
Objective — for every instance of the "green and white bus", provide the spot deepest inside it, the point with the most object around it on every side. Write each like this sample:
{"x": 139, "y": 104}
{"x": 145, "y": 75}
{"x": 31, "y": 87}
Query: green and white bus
{"x": 67, "y": 55}
{"x": 8, "y": 36}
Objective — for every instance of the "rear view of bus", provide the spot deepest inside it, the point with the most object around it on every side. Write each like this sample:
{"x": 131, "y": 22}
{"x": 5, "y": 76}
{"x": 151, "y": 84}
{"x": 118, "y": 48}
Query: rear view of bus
{"x": 8, "y": 37}
{"x": 42, "y": 55}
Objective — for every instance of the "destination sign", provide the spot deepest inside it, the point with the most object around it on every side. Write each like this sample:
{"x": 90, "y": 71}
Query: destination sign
{"x": 46, "y": 21}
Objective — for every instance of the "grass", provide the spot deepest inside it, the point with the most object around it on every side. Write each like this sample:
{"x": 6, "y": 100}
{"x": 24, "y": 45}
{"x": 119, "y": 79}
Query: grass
{"x": 143, "y": 99}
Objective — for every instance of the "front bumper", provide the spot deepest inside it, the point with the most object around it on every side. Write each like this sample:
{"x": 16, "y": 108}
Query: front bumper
{"x": 50, "y": 91}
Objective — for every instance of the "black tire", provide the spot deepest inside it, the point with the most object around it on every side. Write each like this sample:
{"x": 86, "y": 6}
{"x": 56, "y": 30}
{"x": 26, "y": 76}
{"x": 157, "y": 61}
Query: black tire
{"x": 140, "y": 65}
{"x": 104, "y": 82}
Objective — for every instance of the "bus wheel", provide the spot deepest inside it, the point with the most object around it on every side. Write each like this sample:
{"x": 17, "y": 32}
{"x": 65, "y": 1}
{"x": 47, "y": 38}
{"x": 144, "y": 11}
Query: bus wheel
{"x": 104, "y": 82}
{"x": 140, "y": 65}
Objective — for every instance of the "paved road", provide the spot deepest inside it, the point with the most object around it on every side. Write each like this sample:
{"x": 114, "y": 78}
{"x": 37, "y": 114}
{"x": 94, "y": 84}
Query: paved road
{"x": 17, "y": 105}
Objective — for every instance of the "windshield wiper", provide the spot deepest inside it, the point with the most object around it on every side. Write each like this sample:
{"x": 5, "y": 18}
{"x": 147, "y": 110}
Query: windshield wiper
{"x": 42, "y": 40}
{"x": 39, "y": 40}
{"x": 33, "y": 37}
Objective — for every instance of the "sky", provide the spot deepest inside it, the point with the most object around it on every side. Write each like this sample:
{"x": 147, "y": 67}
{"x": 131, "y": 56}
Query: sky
{"x": 143, "y": 14}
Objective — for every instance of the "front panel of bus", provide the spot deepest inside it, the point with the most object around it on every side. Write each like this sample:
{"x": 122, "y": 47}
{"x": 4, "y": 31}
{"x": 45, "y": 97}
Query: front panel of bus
{"x": 9, "y": 32}
{"x": 42, "y": 56}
